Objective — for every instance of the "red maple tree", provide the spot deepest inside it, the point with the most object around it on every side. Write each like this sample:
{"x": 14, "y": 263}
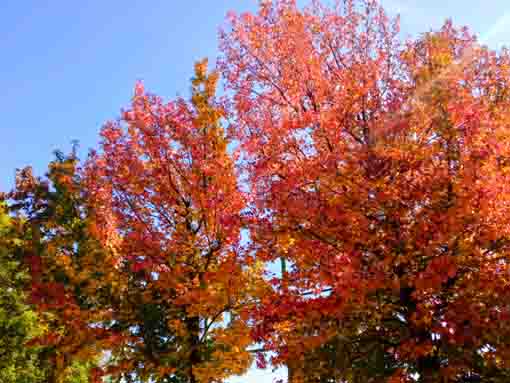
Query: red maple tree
{"x": 379, "y": 172}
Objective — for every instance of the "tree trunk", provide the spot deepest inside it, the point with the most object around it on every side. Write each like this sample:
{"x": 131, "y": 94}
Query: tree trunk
{"x": 193, "y": 326}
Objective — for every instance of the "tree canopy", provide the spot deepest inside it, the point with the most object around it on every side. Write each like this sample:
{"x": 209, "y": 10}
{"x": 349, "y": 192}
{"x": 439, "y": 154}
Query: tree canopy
{"x": 375, "y": 171}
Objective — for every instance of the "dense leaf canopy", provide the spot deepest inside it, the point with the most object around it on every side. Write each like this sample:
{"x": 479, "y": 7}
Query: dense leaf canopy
{"x": 375, "y": 171}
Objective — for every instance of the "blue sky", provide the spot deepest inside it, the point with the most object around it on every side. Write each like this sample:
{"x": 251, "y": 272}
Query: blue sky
{"x": 68, "y": 66}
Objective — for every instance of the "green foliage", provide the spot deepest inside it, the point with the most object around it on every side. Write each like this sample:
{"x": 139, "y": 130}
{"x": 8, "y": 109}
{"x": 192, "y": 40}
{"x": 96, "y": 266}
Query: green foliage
{"x": 22, "y": 357}
{"x": 18, "y": 323}
{"x": 79, "y": 371}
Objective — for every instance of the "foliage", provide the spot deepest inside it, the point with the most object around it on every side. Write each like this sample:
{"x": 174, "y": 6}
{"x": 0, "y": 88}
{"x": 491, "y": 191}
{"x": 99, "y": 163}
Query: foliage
{"x": 18, "y": 324}
{"x": 167, "y": 207}
{"x": 375, "y": 170}
{"x": 379, "y": 173}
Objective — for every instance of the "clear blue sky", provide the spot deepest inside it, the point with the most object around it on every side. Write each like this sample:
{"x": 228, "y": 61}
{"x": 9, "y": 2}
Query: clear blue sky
{"x": 67, "y": 66}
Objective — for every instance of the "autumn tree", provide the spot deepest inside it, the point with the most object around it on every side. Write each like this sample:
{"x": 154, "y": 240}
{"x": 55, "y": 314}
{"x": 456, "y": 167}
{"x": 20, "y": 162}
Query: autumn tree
{"x": 18, "y": 323}
{"x": 167, "y": 205}
{"x": 375, "y": 171}
{"x": 135, "y": 261}
{"x": 44, "y": 233}
{"x": 379, "y": 174}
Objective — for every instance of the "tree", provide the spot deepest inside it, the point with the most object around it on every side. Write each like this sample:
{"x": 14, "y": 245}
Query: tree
{"x": 167, "y": 204}
{"x": 378, "y": 171}
{"x": 18, "y": 324}
{"x": 36, "y": 305}
{"x": 135, "y": 260}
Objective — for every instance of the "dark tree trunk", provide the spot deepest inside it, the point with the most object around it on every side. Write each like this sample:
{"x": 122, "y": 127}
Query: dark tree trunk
{"x": 193, "y": 326}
